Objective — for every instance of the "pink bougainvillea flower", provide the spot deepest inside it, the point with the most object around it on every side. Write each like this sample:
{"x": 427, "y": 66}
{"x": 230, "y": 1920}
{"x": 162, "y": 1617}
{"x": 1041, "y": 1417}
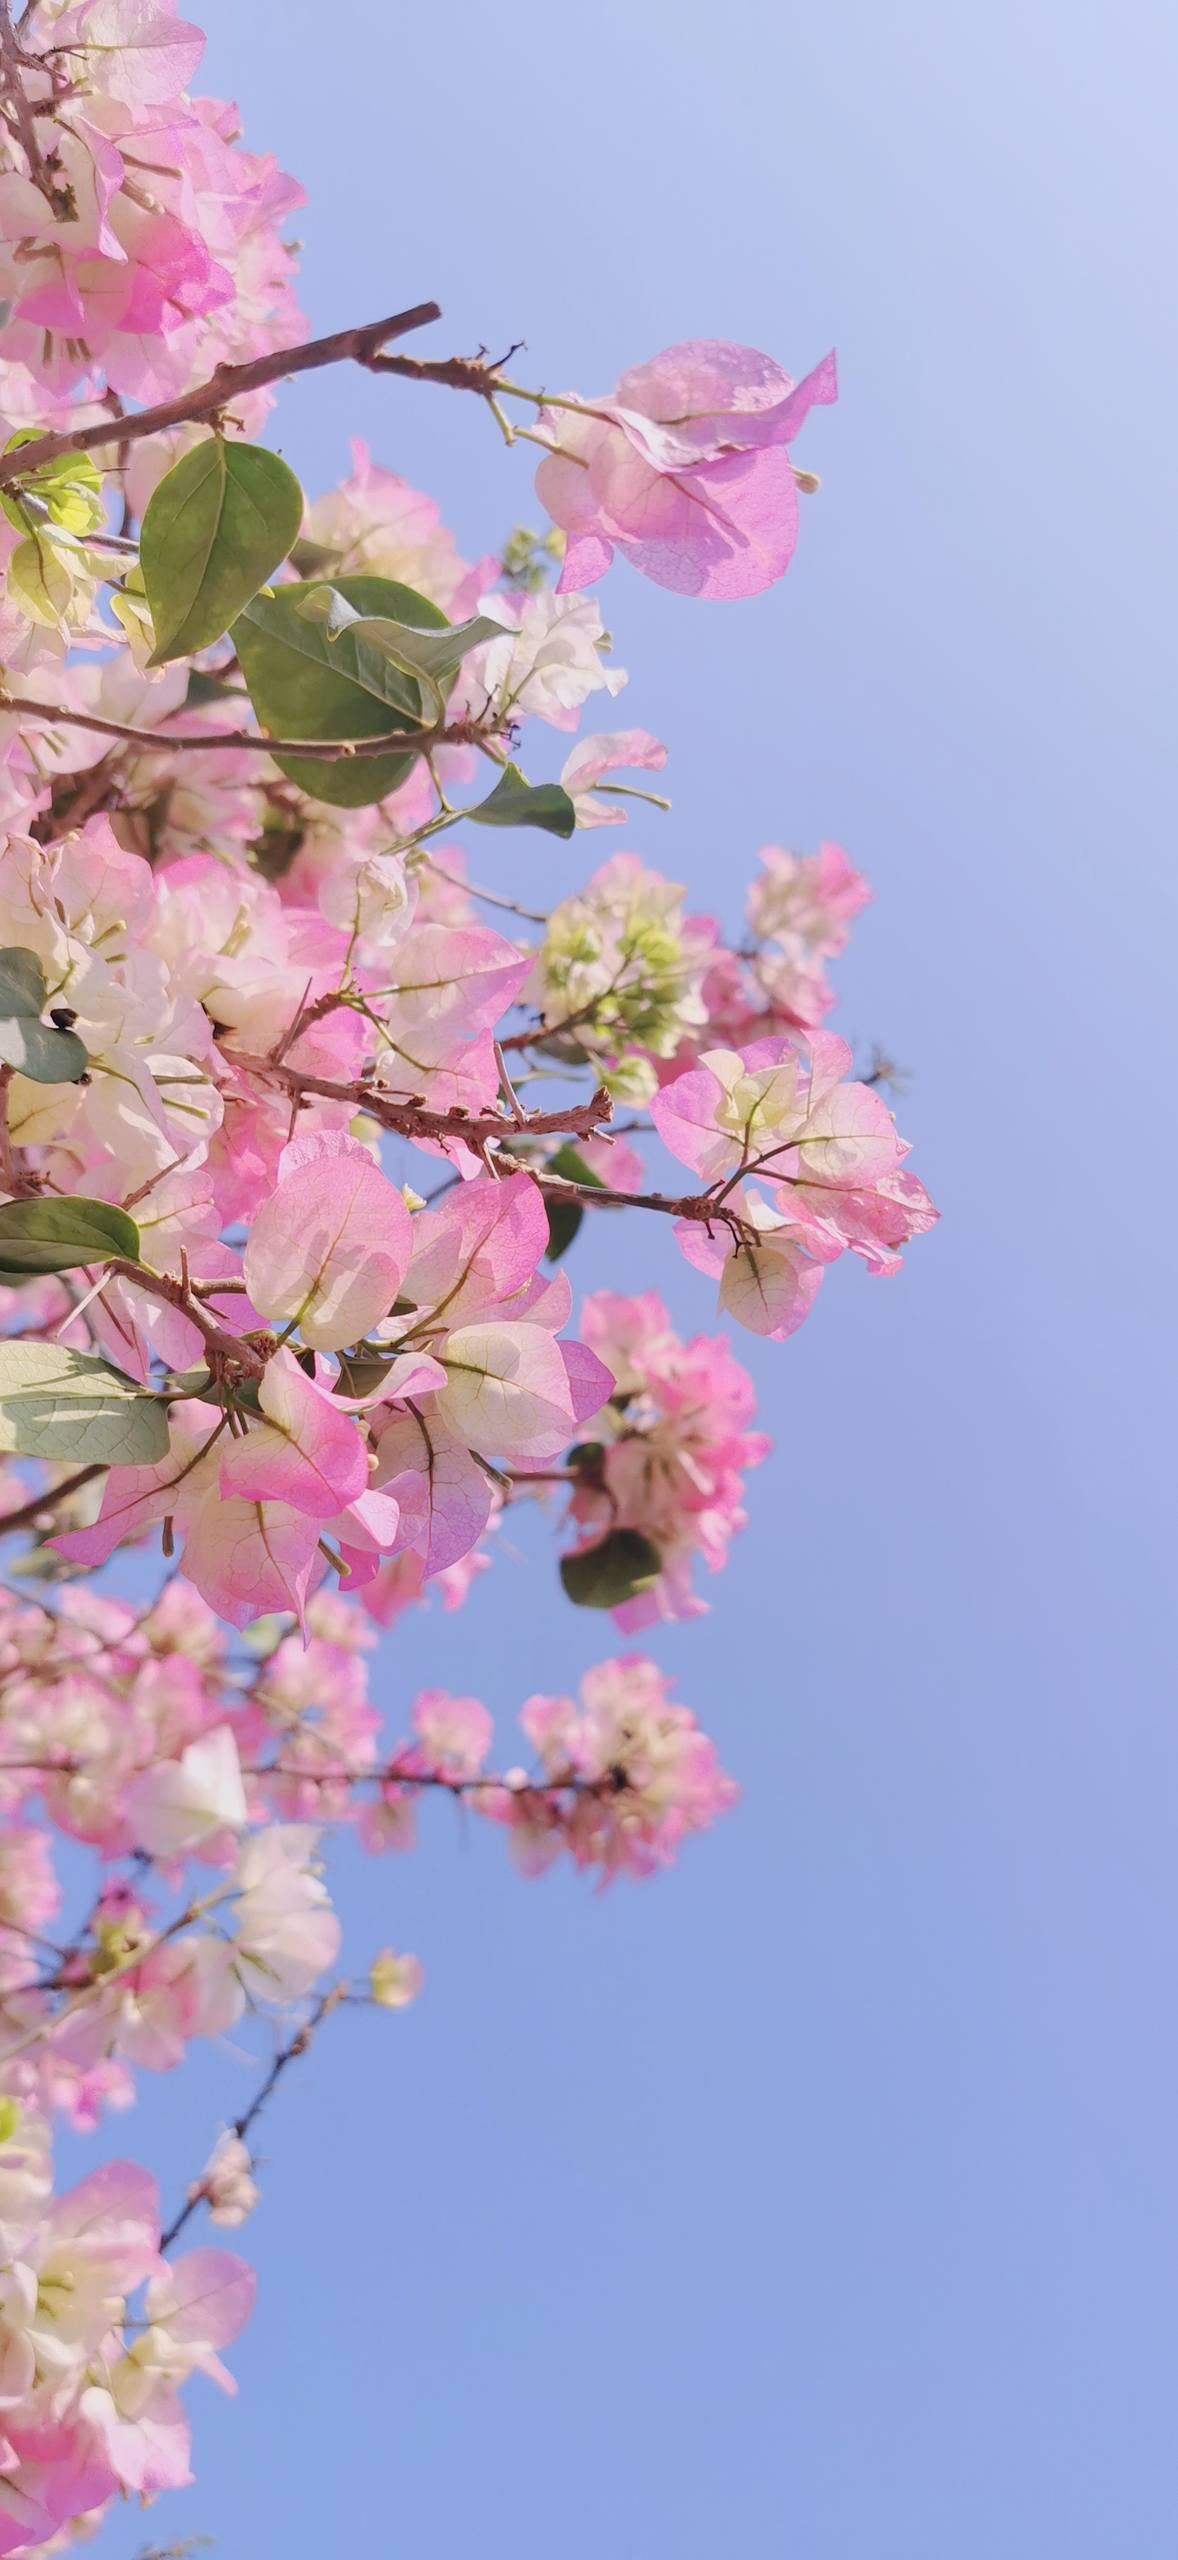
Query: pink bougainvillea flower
{"x": 443, "y": 1493}
{"x": 825, "y": 1147}
{"x": 614, "y": 751}
{"x": 307, "y": 1452}
{"x": 685, "y": 470}
{"x": 626, "y": 1724}
{"x": 480, "y": 1249}
{"x": 148, "y": 56}
{"x": 247, "y": 1558}
{"x": 455, "y": 1734}
{"x": 770, "y": 1274}
{"x": 198, "y": 2305}
{"x": 807, "y": 901}
{"x": 329, "y": 1251}
{"x": 512, "y": 1390}
{"x": 135, "y": 1497}
{"x": 180, "y": 1803}
{"x": 774, "y": 1109}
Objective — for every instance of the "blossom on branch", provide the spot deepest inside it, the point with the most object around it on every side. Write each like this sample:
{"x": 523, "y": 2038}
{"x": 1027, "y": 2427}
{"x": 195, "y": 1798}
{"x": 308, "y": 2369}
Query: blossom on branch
{"x": 684, "y": 469}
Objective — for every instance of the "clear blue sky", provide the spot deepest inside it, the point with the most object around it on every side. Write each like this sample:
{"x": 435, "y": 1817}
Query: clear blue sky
{"x": 822, "y": 2199}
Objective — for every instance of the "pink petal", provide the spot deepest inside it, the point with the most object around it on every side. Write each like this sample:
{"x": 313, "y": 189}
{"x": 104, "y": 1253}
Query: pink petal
{"x": 308, "y": 1453}
{"x": 330, "y": 1248}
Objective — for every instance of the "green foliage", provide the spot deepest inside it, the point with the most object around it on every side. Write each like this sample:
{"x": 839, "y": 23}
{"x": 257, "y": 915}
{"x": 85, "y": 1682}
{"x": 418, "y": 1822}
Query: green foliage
{"x": 305, "y": 683}
{"x": 433, "y": 657}
{"x": 516, "y": 803}
{"x": 219, "y": 524}
{"x": 62, "y": 1404}
{"x": 66, "y": 492}
{"x": 564, "y": 1216}
{"x": 620, "y": 1566}
{"x": 529, "y": 558}
{"x": 27, "y": 1044}
{"x": 38, "y": 578}
{"x": 63, "y": 1235}
{"x": 22, "y": 982}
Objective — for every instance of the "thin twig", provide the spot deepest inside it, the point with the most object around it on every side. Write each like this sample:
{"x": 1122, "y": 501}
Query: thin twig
{"x": 287, "y": 2054}
{"x": 30, "y": 1512}
{"x": 490, "y": 897}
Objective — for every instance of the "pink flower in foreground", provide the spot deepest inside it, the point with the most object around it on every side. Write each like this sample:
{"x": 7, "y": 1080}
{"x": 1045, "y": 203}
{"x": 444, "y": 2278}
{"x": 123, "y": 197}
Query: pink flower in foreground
{"x": 685, "y": 470}
{"x": 825, "y": 1146}
{"x": 618, "y": 750}
{"x": 331, "y": 1247}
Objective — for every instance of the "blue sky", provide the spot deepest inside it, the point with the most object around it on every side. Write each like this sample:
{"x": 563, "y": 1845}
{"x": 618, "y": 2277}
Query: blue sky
{"x": 820, "y": 2198}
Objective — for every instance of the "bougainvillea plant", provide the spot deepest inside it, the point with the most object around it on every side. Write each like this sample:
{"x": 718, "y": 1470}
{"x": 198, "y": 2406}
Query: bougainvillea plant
{"x": 284, "y": 1299}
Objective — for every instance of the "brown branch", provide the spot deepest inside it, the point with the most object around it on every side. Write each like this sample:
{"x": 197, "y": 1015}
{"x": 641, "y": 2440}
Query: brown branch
{"x": 567, "y": 1782}
{"x": 228, "y": 383}
{"x": 394, "y": 1774}
{"x": 30, "y": 1512}
{"x": 576, "y": 1120}
{"x": 227, "y": 1349}
{"x": 454, "y": 733}
{"x": 413, "y": 1120}
{"x": 11, "y": 60}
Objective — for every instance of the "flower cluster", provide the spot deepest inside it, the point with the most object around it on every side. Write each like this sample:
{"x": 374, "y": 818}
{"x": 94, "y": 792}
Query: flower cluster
{"x": 293, "y": 1144}
{"x": 667, "y": 1461}
{"x": 799, "y": 913}
{"x": 821, "y": 1146}
{"x": 138, "y": 242}
{"x": 98, "y": 2333}
{"x": 619, "y": 973}
{"x": 684, "y": 469}
{"x": 629, "y": 1775}
{"x": 141, "y": 1734}
{"x": 206, "y": 1781}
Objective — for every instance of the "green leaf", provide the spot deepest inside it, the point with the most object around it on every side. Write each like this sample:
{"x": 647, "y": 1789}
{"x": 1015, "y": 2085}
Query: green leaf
{"x": 433, "y": 656}
{"x": 26, "y": 1044}
{"x": 63, "y": 1235}
{"x": 48, "y": 1057}
{"x": 22, "y": 983}
{"x": 205, "y": 685}
{"x": 565, "y": 1216}
{"x": 189, "y": 1382}
{"x": 303, "y": 684}
{"x": 216, "y": 528}
{"x": 617, "y": 1569}
{"x": 573, "y": 1168}
{"x": 516, "y": 803}
{"x": 39, "y": 580}
{"x": 313, "y": 559}
{"x": 56, "y": 1403}
{"x": 66, "y": 490}
{"x": 359, "y": 1375}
